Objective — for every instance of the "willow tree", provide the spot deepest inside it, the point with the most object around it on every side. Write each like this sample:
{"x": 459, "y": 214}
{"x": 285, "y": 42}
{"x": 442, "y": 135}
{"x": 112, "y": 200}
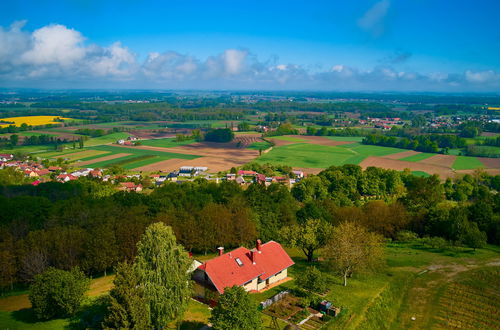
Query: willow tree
{"x": 163, "y": 269}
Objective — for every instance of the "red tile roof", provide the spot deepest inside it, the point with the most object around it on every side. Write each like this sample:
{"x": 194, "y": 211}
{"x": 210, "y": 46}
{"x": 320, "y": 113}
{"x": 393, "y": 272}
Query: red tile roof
{"x": 243, "y": 172}
{"x": 224, "y": 270}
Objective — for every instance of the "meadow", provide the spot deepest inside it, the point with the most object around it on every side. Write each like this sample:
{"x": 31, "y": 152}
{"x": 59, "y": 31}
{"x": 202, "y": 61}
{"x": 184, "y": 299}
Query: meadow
{"x": 467, "y": 163}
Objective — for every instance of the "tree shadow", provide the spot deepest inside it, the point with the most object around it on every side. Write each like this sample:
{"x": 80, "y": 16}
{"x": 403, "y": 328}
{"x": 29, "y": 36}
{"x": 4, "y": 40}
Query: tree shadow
{"x": 191, "y": 325}
{"x": 26, "y": 315}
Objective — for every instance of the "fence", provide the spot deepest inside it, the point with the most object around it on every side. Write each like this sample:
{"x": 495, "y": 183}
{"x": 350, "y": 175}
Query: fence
{"x": 277, "y": 297}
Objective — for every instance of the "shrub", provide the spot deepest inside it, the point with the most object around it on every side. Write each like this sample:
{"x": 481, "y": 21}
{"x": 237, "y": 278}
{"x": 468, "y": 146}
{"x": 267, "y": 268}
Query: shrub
{"x": 434, "y": 242}
{"x": 58, "y": 293}
{"x": 406, "y": 236}
{"x": 313, "y": 280}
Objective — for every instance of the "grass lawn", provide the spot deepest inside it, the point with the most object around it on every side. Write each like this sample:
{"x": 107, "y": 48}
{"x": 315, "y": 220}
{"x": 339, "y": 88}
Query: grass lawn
{"x": 319, "y": 156}
{"x": 166, "y": 143}
{"x": 467, "y": 163}
{"x": 418, "y": 157}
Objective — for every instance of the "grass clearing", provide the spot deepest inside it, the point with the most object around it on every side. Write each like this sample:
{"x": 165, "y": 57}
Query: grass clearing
{"x": 106, "y": 139}
{"x": 467, "y": 163}
{"x": 420, "y": 174}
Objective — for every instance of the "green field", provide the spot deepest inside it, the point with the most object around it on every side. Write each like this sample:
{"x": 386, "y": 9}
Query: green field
{"x": 346, "y": 138}
{"x": 467, "y": 163}
{"x": 288, "y": 138}
{"x": 418, "y": 157}
{"x": 319, "y": 156}
{"x": 156, "y": 156}
{"x": 420, "y": 173}
{"x": 166, "y": 143}
{"x": 259, "y": 145}
{"x": 106, "y": 139}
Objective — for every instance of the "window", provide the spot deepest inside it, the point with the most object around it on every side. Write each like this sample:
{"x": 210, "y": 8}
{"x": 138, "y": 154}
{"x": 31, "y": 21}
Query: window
{"x": 239, "y": 262}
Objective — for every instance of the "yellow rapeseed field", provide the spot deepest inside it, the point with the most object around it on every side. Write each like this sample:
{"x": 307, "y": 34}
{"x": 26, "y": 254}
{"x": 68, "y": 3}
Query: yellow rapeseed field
{"x": 493, "y": 108}
{"x": 31, "y": 120}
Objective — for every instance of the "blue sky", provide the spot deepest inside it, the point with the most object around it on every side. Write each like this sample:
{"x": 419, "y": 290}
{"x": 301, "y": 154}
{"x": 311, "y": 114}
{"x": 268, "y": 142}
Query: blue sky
{"x": 407, "y": 45}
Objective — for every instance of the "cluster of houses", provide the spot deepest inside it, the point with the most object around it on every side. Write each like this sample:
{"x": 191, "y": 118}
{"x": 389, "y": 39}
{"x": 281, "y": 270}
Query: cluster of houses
{"x": 382, "y": 123}
{"x": 247, "y": 177}
{"x": 130, "y": 141}
{"x": 242, "y": 177}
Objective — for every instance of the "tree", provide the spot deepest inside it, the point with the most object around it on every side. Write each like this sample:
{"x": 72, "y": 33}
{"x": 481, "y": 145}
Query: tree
{"x": 219, "y": 135}
{"x": 162, "y": 266}
{"x": 100, "y": 249}
{"x": 128, "y": 308}
{"x": 473, "y": 237}
{"x": 308, "y": 236}
{"x": 236, "y": 311}
{"x": 57, "y": 292}
{"x": 312, "y": 279}
{"x": 80, "y": 142}
{"x": 353, "y": 248}
{"x": 14, "y": 139}
{"x": 310, "y": 188}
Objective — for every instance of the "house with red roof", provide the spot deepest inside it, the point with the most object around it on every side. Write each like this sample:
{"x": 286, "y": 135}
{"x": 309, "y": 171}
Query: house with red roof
{"x": 254, "y": 269}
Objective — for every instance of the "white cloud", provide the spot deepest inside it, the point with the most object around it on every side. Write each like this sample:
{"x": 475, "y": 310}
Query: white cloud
{"x": 482, "y": 76}
{"x": 234, "y": 60}
{"x": 373, "y": 19}
{"x": 55, "y": 44}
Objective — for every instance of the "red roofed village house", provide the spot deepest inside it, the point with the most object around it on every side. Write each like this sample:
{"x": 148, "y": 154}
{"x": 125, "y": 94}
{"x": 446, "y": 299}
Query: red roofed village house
{"x": 254, "y": 269}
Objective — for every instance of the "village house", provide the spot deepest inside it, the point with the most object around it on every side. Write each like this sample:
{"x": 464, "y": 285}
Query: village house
{"x": 254, "y": 270}
{"x": 130, "y": 186}
{"x": 6, "y": 157}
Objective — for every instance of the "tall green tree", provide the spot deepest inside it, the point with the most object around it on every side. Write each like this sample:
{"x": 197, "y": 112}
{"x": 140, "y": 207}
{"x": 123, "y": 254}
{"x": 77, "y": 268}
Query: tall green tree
{"x": 128, "y": 308}
{"x": 162, "y": 266}
{"x": 236, "y": 311}
{"x": 308, "y": 236}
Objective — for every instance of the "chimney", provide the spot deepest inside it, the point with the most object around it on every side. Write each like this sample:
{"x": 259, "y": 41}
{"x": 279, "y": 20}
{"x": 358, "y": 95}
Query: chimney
{"x": 257, "y": 245}
{"x": 253, "y": 256}
{"x": 221, "y": 250}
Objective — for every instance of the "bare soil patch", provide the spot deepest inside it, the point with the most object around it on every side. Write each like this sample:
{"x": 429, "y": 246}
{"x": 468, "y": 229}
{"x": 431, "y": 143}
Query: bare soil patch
{"x": 490, "y": 162}
{"x": 102, "y": 159}
{"x": 15, "y": 303}
{"x": 440, "y": 160}
{"x": 400, "y": 165}
{"x": 216, "y": 156}
{"x": 403, "y": 154}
